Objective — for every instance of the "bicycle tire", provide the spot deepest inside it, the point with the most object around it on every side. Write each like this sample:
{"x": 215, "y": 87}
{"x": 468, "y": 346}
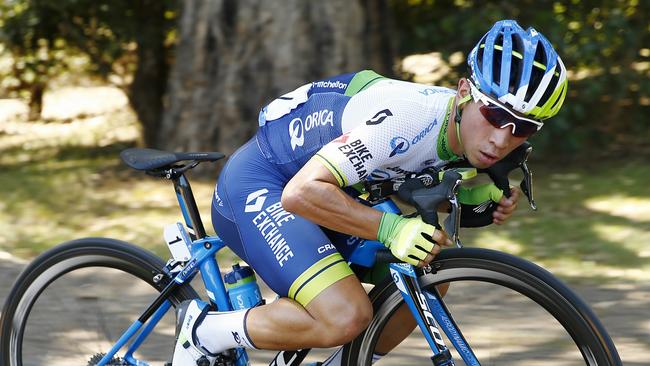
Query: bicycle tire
{"x": 64, "y": 258}
{"x": 476, "y": 264}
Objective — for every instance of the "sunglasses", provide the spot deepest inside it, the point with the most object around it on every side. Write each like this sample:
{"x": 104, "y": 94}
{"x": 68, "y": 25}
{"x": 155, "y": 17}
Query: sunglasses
{"x": 500, "y": 116}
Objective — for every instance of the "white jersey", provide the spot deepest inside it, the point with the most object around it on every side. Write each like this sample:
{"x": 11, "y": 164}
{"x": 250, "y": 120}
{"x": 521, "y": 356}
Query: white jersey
{"x": 361, "y": 127}
{"x": 388, "y": 130}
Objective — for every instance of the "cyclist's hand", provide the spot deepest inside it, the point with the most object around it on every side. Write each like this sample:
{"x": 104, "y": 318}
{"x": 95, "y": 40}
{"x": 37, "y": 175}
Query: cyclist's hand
{"x": 506, "y": 206}
{"x": 411, "y": 239}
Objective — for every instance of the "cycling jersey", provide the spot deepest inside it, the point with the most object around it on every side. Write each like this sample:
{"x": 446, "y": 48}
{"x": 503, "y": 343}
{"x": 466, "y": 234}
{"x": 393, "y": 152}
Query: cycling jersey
{"x": 360, "y": 126}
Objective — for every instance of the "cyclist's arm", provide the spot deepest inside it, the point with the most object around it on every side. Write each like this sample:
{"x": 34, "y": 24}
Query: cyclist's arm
{"x": 314, "y": 194}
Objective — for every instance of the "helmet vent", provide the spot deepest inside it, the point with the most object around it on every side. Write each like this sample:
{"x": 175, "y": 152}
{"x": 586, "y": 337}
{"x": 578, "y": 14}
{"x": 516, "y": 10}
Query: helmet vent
{"x": 537, "y": 73}
{"x": 496, "y": 60}
{"x": 516, "y": 64}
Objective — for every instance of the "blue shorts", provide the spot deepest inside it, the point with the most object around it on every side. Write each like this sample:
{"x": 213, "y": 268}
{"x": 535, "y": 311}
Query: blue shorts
{"x": 294, "y": 256}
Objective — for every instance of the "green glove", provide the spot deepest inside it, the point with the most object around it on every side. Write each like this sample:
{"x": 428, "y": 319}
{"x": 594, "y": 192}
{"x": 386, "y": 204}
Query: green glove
{"x": 409, "y": 239}
{"x": 479, "y": 194}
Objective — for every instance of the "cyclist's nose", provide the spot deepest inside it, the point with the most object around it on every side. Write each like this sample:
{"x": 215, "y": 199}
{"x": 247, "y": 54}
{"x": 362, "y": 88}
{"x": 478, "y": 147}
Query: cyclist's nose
{"x": 500, "y": 137}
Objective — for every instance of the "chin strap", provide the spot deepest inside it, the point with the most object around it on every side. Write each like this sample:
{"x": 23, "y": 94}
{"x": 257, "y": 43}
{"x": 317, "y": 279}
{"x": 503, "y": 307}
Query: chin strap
{"x": 457, "y": 117}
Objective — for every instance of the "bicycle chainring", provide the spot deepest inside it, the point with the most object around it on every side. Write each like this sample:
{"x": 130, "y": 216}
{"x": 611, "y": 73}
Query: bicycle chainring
{"x": 115, "y": 361}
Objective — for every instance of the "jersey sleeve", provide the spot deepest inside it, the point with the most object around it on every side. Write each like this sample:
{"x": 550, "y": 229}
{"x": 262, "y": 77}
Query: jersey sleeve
{"x": 380, "y": 135}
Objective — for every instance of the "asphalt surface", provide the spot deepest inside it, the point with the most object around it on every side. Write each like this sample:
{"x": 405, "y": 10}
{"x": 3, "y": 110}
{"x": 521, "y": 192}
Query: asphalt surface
{"x": 83, "y": 309}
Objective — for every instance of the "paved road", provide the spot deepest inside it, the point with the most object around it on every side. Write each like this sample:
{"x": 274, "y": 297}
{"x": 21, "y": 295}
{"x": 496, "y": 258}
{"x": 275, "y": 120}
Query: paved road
{"x": 520, "y": 336}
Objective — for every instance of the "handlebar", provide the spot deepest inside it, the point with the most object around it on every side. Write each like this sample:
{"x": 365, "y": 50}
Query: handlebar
{"x": 430, "y": 188}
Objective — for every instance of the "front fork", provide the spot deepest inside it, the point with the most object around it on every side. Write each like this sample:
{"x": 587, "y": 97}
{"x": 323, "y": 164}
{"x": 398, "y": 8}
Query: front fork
{"x": 430, "y": 313}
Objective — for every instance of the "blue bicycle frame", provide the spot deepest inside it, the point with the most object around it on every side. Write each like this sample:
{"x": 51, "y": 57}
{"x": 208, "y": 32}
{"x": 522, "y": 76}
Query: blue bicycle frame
{"x": 427, "y": 307}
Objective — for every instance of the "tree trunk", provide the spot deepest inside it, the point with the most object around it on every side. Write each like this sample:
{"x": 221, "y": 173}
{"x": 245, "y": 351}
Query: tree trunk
{"x": 37, "y": 90}
{"x": 147, "y": 90}
{"x": 234, "y": 56}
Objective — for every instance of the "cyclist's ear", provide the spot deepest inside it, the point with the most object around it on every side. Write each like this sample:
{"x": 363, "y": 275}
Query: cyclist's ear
{"x": 463, "y": 88}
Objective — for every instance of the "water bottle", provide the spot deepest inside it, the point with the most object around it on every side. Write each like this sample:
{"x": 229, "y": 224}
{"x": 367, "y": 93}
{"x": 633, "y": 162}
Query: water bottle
{"x": 243, "y": 290}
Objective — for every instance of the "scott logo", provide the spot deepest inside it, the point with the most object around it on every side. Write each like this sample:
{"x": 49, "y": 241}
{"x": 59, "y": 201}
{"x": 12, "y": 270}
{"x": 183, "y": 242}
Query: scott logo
{"x": 399, "y": 145}
{"x": 379, "y": 117}
{"x": 257, "y": 198}
{"x": 236, "y": 337}
{"x": 297, "y": 128}
{"x": 428, "y": 317}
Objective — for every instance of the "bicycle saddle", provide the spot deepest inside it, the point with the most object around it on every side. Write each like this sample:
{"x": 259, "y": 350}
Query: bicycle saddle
{"x": 151, "y": 159}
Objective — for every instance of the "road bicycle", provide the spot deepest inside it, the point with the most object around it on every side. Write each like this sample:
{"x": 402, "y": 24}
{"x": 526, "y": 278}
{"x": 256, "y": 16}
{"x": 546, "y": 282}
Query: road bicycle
{"x": 100, "y": 301}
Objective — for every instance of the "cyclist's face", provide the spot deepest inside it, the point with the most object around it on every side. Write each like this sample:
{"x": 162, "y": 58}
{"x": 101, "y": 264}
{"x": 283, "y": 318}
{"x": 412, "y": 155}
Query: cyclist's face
{"x": 485, "y": 144}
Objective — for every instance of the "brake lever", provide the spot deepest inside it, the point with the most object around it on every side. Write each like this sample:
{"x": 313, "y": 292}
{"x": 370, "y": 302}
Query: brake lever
{"x": 452, "y": 222}
{"x": 516, "y": 159}
{"x": 427, "y": 199}
{"x": 527, "y": 183}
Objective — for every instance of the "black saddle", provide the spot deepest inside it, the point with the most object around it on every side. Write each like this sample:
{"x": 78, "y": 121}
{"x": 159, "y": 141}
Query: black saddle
{"x": 151, "y": 159}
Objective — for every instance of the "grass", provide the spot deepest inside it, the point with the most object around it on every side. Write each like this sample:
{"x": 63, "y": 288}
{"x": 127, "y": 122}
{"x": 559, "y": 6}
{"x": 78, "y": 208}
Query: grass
{"x": 64, "y": 180}
{"x": 593, "y": 221}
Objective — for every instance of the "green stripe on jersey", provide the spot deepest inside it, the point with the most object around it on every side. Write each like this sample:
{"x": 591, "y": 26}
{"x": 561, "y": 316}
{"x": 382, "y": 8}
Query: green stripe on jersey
{"x": 361, "y": 81}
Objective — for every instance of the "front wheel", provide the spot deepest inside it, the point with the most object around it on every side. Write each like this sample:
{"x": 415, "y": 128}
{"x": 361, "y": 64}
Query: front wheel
{"x": 75, "y": 300}
{"x": 510, "y": 311}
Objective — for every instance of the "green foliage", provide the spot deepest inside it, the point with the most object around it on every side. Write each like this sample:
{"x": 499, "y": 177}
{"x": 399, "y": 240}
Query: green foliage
{"x": 45, "y": 38}
{"x": 604, "y": 44}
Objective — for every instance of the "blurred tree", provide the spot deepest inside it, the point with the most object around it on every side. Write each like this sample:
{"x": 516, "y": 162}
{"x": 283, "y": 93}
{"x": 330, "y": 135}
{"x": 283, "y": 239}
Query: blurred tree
{"x": 234, "y": 56}
{"x": 127, "y": 42}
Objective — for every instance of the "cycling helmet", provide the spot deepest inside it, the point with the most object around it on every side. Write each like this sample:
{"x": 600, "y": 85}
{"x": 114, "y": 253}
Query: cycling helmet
{"x": 520, "y": 69}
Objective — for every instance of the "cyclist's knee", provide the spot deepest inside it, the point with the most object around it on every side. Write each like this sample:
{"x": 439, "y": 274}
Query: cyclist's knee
{"x": 343, "y": 311}
{"x": 345, "y": 324}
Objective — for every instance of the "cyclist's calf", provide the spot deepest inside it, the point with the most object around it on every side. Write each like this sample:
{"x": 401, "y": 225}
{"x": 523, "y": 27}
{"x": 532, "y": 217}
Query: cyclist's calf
{"x": 334, "y": 317}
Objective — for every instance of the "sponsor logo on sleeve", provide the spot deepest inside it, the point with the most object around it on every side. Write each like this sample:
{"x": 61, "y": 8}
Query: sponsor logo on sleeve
{"x": 399, "y": 145}
{"x": 329, "y": 84}
{"x": 298, "y": 128}
{"x": 357, "y": 153}
{"x": 379, "y": 117}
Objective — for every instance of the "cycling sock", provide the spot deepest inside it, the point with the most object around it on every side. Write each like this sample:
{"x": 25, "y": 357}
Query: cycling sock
{"x": 221, "y": 330}
{"x": 335, "y": 358}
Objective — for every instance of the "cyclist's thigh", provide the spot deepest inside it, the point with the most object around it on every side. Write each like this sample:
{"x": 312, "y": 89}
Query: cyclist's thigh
{"x": 291, "y": 254}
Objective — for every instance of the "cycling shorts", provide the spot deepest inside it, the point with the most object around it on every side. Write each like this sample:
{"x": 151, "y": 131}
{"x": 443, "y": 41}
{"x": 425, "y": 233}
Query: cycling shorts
{"x": 292, "y": 255}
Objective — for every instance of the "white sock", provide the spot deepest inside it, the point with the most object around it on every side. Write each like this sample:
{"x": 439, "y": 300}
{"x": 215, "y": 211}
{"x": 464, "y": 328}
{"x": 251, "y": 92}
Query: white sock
{"x": 222, "y": 330}
{"x": 335, "y": 358}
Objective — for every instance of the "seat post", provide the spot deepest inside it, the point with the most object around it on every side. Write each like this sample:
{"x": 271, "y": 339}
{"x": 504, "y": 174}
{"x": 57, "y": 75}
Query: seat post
{"x": 188, "y": 206}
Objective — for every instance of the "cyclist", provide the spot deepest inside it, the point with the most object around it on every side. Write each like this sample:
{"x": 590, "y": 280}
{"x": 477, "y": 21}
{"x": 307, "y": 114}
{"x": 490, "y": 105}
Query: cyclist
{"x": 284, "y": 199}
